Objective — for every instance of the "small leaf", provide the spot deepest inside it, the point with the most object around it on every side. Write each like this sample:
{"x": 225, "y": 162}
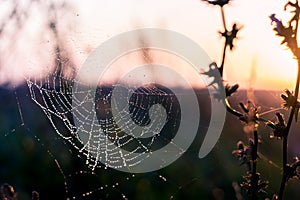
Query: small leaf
{"x": 279, "y": 128}
{"x": 229, "y": 90}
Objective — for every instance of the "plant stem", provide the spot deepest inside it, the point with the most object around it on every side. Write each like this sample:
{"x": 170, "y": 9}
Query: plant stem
{"x": 254, "y": 178}
{"x": 290, "y": 120}
{"x": 225, "y": 44}
{"x": 223, "y": 59}
{"x": 231, "y": 110}
{"x": 223, "y": 18}
{"x": 285, "y": 137}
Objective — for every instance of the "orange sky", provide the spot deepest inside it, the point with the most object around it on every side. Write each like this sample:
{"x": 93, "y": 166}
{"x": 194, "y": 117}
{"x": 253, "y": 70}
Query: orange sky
{"x": 258, "y": 52}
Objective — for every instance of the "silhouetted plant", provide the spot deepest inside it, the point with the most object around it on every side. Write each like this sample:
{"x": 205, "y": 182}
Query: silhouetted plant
{"x": 289, "y": 34}
{"x": 7, "y": 192}
{"x": 249, "y": 114}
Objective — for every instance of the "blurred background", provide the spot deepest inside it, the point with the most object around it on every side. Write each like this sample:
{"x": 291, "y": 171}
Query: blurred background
{"x": 39, "y": 39}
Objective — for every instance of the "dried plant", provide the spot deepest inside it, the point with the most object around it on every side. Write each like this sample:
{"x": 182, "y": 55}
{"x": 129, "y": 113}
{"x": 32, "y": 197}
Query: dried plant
{"x": 249, "y": 113}
{"x": 7, "y": 192}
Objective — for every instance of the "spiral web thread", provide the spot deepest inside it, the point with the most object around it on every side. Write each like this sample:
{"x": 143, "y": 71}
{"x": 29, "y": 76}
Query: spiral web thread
{"x": 53, "y": 95}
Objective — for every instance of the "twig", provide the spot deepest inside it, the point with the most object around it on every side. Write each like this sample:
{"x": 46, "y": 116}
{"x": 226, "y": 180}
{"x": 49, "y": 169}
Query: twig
{"x": 254, "y": 178}
{"x": 285, "y": 137}
{"x": 225, "y": 44}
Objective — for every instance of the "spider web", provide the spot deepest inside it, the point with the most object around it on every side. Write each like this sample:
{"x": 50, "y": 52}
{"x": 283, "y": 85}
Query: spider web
{"x": 53, "y": 95}
{"x": 103, "y": 134}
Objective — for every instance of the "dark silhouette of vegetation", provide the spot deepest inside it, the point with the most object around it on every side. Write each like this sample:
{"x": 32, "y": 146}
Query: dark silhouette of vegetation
{"x": 7, "y": 192}
{"x": 249, "y": 114}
